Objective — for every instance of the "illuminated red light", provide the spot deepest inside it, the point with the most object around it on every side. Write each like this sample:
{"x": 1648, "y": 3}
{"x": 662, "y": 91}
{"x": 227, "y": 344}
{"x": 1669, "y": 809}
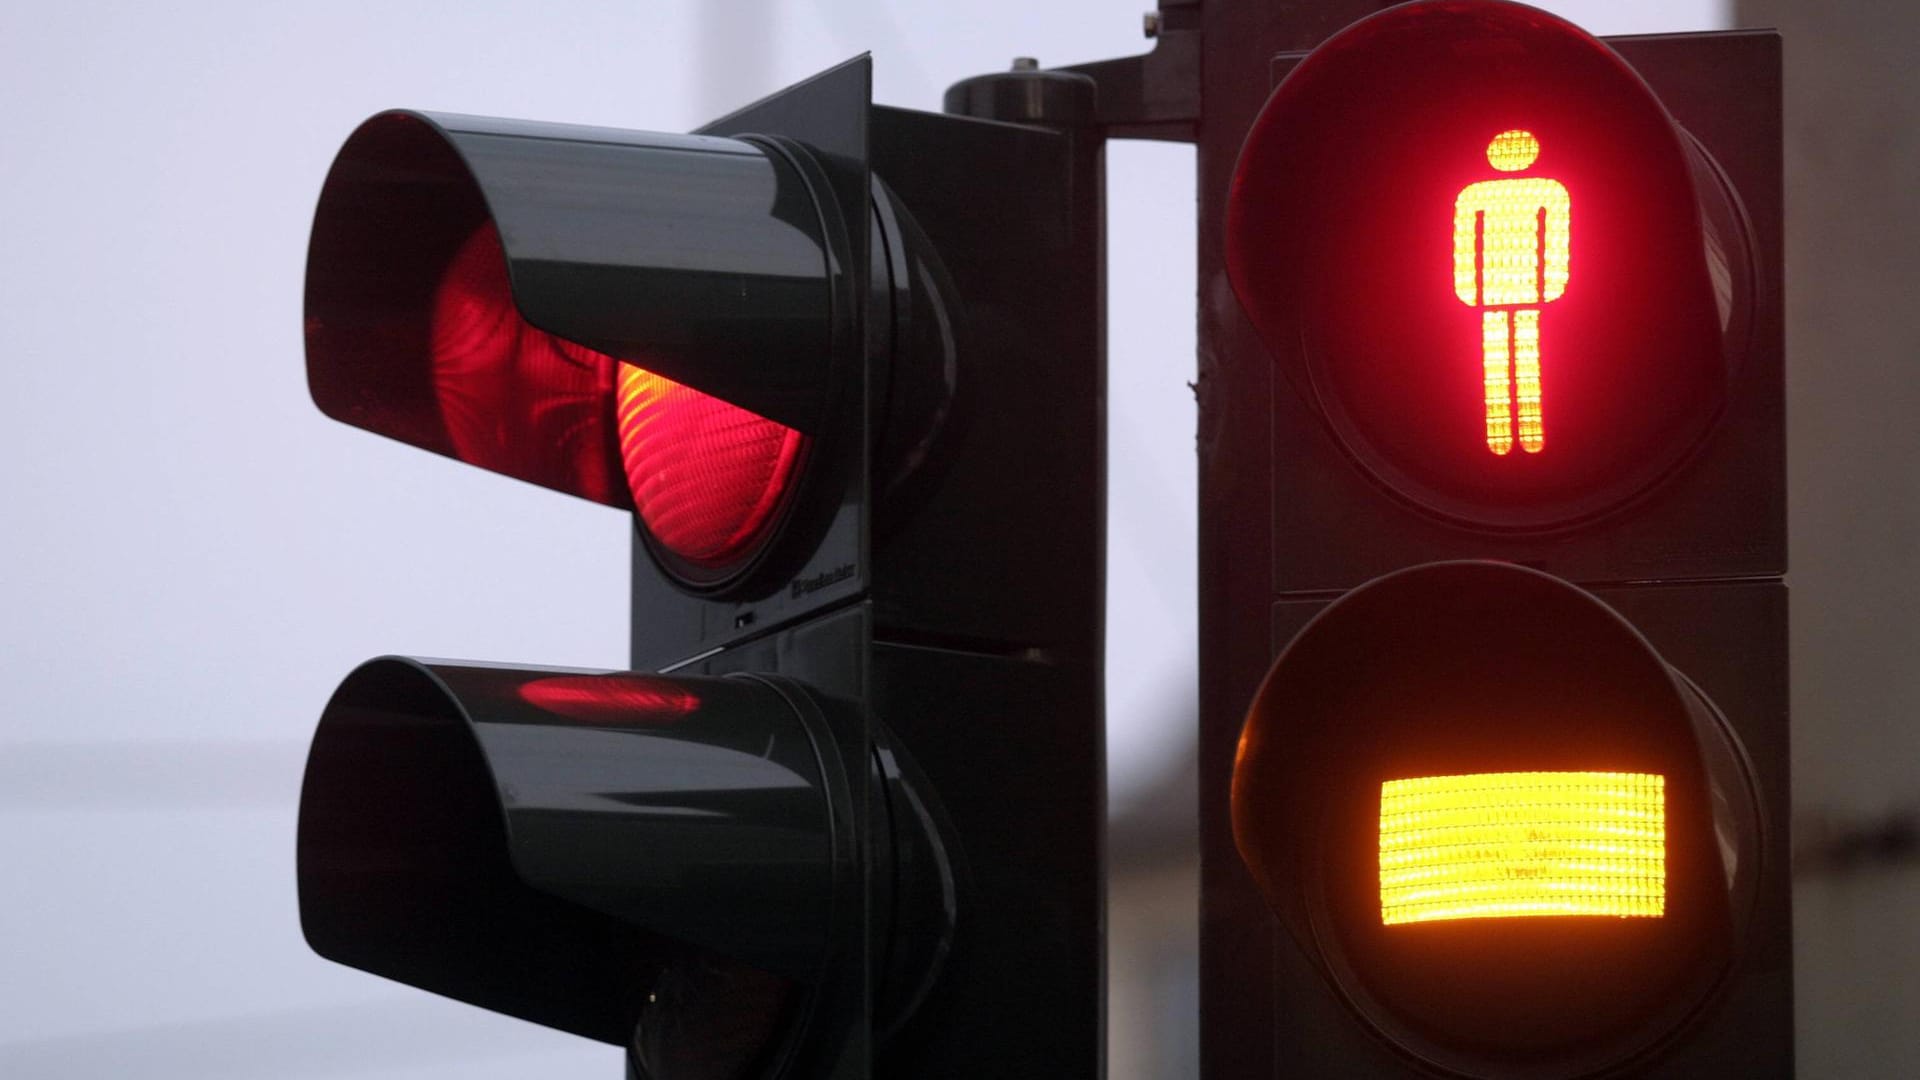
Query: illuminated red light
{"x": 707, "y": 477}
{"x": 1512, "y": 253}
{"x": 1600, "y": 267}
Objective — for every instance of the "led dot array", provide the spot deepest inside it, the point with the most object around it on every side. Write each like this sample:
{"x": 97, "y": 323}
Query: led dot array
{"x": 1512, "y": 252}
{"x": 1513, "y": 150}
{"x": 1502, "y": 845}
{"x": 1510, "y": 352}
{"x": 707, "y": 476}
{"x": 1512, "y": 242}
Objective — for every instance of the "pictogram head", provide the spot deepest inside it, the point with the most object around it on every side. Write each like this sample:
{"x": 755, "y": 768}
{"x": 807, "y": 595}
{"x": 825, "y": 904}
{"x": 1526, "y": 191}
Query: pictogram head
{"x": 1513, "y": 150}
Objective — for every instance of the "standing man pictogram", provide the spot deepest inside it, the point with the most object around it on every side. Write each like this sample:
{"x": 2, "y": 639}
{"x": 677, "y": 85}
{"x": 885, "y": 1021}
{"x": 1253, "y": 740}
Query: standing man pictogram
{"x": 1511, "y": 250}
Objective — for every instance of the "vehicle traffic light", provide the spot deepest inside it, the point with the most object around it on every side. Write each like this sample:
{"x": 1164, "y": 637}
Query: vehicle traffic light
{"x": 843, "y": 817}
{"x": 1494, "y": 734}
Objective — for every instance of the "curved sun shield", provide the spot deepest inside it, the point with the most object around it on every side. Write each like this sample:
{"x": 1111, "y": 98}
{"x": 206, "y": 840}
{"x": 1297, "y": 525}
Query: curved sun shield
{"x": 671, "y": 862}
{"x": 552, "y": 843}
{"x": 474, "y": 285}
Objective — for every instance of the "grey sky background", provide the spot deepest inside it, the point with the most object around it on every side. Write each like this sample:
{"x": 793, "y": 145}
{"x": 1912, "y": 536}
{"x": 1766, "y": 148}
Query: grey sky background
{"x": 193, "y": 556}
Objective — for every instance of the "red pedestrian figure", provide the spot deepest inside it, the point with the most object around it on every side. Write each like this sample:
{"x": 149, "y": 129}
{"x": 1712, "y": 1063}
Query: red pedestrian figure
{"x": 1511, "y": 252}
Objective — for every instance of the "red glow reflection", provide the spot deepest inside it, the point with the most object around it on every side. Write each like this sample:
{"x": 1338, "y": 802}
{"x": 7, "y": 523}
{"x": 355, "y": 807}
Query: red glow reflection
{"x": 514, "y": 398}
{"x": 632, "y": 700}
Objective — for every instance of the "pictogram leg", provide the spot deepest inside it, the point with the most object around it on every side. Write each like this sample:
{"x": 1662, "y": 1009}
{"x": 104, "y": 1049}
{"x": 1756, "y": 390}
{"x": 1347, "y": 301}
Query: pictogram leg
{"x": 1497, "y": 360}
{"x": 1526, "y": 378}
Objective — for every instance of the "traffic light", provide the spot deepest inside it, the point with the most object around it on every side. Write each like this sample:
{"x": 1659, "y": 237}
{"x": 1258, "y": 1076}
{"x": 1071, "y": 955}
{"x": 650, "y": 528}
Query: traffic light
{"x": 1506, "y": 833}
{"x": 842, "y": 818}
{"x": 1494, "y": 734}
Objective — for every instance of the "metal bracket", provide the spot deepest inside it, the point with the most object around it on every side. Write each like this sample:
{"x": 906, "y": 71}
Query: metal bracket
{"x": 1152, "y": 96}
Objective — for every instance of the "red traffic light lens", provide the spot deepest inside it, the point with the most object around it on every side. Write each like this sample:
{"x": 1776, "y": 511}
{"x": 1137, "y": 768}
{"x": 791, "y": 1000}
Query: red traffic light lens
{"x": 1481, "y": 248}
{"x": 639, "y": 319}
{"x": 708, "y": 478}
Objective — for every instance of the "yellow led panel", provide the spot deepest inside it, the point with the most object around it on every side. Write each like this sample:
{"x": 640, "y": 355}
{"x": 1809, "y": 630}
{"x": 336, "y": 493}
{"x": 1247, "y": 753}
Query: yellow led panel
{"x": 1504, "y": 845}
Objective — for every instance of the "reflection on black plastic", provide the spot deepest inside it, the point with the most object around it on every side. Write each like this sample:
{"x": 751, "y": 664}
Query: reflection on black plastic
{"x": 707, "y": 1018}
{"x": 458, "y": 837}
{"x": 698, "y": 258}
{"x": 621, "y": 700}
{"x": 1463, "y": 668}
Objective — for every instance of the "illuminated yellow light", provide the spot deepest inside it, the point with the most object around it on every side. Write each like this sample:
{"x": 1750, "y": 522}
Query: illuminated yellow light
{"x": 1499, "y": 386}
{"x": 1513, "y": 150}
{"x": 1512, "y": 242}
{"x": 1507, "y": 845}
{"x": 1526, "y": 378}
{"x": 1512, "y": 252}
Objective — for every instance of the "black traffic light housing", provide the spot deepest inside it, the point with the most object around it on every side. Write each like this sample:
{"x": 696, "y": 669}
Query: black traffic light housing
{"x": 1312, "y": 510}
{"x": 519, "y": 839}
{"x": 736, "y": 265}
{"x": 914, "y": 301}
{"x": 1466, "y": 669}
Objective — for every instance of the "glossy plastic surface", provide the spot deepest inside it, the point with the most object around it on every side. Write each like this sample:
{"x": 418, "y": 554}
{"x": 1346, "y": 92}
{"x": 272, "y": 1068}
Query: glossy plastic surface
{"x": 590, "y": 850}
{"x": 817, "y": 130}
{"x": 545, "y": 842}
{"x": 708, "y": 479}
{"x": 987, "y": 588}
{"x": 1462, "y": 668}
{"x": 698, "y": 258}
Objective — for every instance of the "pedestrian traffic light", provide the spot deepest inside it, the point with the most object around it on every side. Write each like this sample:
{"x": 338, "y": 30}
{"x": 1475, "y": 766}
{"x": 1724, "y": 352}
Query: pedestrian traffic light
{"x": 843, "y": 816}
{"x": 1493, "y": 632}
{"x": 1531, "y": 212}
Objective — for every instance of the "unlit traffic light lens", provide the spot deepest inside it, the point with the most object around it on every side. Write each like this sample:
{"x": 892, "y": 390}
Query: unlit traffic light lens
{"x": 1507, "y": 845}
